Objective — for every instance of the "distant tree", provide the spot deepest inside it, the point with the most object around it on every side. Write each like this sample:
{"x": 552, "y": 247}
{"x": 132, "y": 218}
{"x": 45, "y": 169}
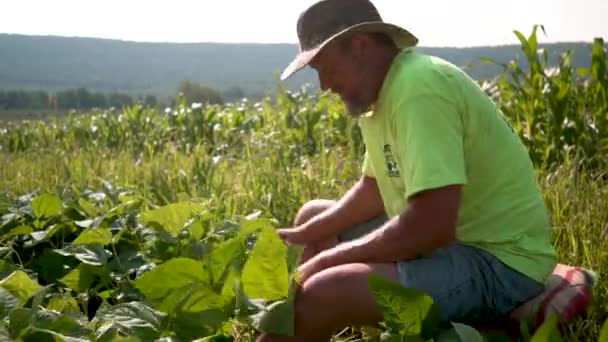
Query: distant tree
{"x": 119, "y": 100}
{"x": 3, "y": 100}
{"x": 150, "y": 101}
{"x": 67, "y": 99}
{"x": 194, "y": 92}
{"x": 233, "y": 93}
{"x": 98, "y": 100}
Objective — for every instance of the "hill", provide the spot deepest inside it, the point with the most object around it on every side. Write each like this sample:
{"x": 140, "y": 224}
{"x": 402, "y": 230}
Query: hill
{"x": 53, "y": 63}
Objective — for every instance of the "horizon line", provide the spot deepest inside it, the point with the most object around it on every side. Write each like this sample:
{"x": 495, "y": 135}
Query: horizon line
{"x": 590, "y": 41}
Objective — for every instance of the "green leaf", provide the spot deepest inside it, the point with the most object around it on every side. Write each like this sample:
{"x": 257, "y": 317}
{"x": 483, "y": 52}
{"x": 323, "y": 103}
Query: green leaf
{"x": 20, "y": 285}
{"x": 604, "y": 333}
{"x": 126, "y": 339}
{"x": 100, "y": 236}
{"x": 37, "y": 335}
{"x": 50, "y": 266}
{"x": 171, "y": 218}
{"x": 406, "y": 311}
{"x": 460, "y": 333}
{"x": 66, "y": 228}
{"x": 23, "y": 229}
{"x": 265, "y": 274}
{"x": 132, "y": 319}
{"x": 63, "y": 303}
{"x": 6, "y": 268}
{"x": 179, "y": 283}
{"x": 4, "y": 334}
{"x": 390, "y": 337}
{"x": 222, "y": 257}
{"x": 88, "y": 207}
{"x": 67, "y": 326}
{"x": 47, "y": 205}
{"x": 250, "y": 226}
{"x": 548, "y": 331}
{"x": 127, "y": 262}
{"x": 279, "y": 317}
{"x": 84, "y": 276}
{"x": 191, "y": 325}
{"x": 94, "y": 255}
{"x": 19, "y": 319}
{"x": 7, "y": 302}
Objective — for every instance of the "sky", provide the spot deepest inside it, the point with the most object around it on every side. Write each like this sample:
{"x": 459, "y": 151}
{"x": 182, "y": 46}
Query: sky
{"x": 436, "y": 23}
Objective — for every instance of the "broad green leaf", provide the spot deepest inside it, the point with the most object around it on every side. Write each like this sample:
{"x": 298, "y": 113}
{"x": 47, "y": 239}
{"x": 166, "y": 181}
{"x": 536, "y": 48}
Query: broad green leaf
{"x": 133, "y": 319}
{"x": 60, "y": 326}
{"x": 265, "y": 273}
{"x": 604, "y": 333}
{"x": 6, "y": 268}
{"x": 127, "y": 261}
{"x": 64, "y": 304}
{"x": 224, "y": 255}
{"x": 47, "y": 205}
{"x": 251, "y": 226}
{"x": 179, "y": 283}
{"x": 279, "y": 317}
{"x": 67, "y": 326}
{"x": 88, "y": 207}
{"x": 99, "y": 236}
{"x": 126, "y": 339}
{"x": 390, "y": 337}
{"x": 20, "y": 285}
{"x": 19, "y": 320}
{"x": 50, "y": 266}
{"x": 7, "y": 302}
{"x": 45, "y": 235}
{"x": 548, "y": 331}
{"x": 82, "y": 277}
{"x": 23, "y": 229}
{"x": 5, "y": 336}
{"x": 460, "y": 333}
{"x": 191, "y": 325}
{"x": 171, "y": 218}
{"x": 406, "y": 311}
{"x": 94, "y": 255}
{"x": 38, "y": 334}
{"x": 196, "y": 229}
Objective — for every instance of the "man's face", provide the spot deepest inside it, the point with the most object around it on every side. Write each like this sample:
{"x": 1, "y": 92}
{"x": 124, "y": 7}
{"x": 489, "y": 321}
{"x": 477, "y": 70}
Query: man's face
{"x": 341, "y": 68}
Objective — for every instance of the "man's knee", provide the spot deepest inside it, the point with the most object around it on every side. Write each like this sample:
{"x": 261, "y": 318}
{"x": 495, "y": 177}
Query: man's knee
{"x": 311, "y": 209}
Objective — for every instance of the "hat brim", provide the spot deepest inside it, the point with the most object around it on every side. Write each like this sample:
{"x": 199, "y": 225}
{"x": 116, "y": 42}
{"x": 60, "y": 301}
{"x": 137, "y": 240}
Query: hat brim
{"x": 402, "y": 38}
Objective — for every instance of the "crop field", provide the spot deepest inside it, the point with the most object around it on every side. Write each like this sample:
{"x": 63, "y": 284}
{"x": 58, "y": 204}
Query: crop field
{"x": 153, "y": 224}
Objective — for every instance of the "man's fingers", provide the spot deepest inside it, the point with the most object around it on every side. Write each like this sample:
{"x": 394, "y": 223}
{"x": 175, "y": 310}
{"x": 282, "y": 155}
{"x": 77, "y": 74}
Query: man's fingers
{"x": 290, "y": 236}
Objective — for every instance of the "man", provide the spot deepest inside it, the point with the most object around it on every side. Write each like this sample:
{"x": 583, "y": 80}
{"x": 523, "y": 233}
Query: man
{"x": 448, "y": 201}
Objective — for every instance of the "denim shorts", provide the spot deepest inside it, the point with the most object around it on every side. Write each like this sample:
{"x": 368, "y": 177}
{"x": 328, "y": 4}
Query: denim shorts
{"x": 470, "y": 285}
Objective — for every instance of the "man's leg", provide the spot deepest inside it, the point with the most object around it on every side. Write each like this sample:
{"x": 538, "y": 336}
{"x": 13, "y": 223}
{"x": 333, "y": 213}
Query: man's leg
{"x": 336, "y": 298}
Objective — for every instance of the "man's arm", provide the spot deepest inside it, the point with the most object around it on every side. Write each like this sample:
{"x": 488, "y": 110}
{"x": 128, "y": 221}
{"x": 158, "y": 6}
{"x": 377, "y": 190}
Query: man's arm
{"x": 362, "y": 202}
{"x": 428, "y": 223}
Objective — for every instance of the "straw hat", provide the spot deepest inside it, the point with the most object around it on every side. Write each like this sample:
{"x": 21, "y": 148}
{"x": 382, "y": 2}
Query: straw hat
{"x": 327, "y": 20}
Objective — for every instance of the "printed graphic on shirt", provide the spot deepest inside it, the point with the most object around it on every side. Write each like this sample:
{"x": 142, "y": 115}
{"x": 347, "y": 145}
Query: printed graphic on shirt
{"x": 391, "y": 164}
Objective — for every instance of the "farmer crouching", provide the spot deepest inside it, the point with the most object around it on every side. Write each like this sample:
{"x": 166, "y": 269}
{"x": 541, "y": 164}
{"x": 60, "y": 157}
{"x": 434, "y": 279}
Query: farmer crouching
{"x": 447, "y": 203}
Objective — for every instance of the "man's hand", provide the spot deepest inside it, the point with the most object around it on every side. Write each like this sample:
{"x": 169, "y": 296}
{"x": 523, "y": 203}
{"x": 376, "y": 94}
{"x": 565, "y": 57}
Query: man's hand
{"x": 295, "y": 236}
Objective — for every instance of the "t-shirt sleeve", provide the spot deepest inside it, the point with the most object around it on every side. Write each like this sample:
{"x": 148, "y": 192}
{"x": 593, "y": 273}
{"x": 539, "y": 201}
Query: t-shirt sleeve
{"x": 366, "y": 168}
{"x": 430, "y": 143}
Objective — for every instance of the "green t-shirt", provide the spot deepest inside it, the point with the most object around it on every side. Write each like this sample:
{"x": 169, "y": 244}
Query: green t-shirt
{"x": 434, "y": 126}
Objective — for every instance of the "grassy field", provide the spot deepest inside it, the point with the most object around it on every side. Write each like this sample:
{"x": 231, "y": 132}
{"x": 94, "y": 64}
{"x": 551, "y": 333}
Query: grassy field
{"x": 152, "y": 223}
